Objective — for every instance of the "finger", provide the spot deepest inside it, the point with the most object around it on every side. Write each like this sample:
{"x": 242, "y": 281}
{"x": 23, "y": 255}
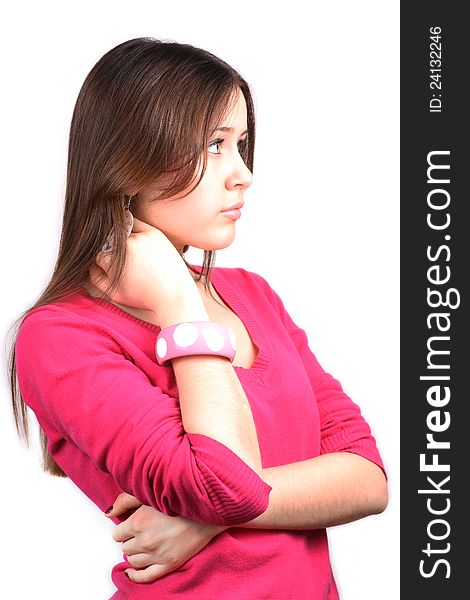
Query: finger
{"x": 132, "y": 547}
{"x": 149, "y": 574}
{"x": 123, "y": 532}
{"x": 140, "y": 561}
{"x": 123, "y": 503}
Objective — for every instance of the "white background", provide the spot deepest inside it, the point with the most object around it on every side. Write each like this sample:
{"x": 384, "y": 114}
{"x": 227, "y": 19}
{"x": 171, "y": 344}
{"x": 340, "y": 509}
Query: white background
{"x": 320, "y": 223}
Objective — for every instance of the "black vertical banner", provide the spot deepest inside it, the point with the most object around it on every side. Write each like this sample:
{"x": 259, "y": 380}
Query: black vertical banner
{"x": 435, "y": 316}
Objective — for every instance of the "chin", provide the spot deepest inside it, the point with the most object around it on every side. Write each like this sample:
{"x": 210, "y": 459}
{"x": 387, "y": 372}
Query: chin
{"x": 212, "y": 238}
{"x": 212, "y": 244}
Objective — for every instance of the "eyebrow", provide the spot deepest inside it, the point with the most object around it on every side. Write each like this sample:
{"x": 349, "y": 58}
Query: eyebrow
{"x": 227, "y": 129}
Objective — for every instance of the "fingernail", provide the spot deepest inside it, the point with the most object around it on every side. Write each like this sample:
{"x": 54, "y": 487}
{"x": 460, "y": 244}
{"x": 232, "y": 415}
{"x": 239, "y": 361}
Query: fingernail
{"x": 108, "y": 510}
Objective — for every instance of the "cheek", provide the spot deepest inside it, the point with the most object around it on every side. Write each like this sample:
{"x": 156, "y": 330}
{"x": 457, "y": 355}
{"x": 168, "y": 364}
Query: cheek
{"x": 195, "y": 210}
{"x": 189, "y": 214}
{"x": 199, "y": 207}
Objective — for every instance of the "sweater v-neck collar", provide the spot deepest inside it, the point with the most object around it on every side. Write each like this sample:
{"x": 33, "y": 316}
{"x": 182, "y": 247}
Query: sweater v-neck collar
{"x": 235, "y": 302}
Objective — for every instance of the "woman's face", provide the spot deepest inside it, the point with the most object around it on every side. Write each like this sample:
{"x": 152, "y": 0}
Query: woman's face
{"x": 198, "y": 219}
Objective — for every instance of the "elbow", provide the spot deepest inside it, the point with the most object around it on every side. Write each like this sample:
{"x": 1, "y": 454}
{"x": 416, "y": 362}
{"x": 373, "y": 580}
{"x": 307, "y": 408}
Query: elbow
{"x": 209, "y": 483}
{"x": 216, "y": 500}
{"x": 378, "y": 494}
{"x": 244, "y": 507}
{"x": 382, "y": 500}
{"x": 230, "y": 495}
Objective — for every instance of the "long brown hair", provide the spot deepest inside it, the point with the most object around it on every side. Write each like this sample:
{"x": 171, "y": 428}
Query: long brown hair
{"x": 145, "y": 113}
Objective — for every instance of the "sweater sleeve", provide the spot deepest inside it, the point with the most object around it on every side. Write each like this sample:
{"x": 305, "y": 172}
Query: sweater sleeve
{"x": 79, "y": 380}
{"x": 343, "y": 428}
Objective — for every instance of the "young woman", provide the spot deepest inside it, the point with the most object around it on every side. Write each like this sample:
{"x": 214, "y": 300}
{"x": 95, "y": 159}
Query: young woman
{"x": 184, "y": 397}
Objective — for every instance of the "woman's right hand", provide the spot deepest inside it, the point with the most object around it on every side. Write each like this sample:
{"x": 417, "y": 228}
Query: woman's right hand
{"x": 154, "y": 543}
{"x": 155, "y": 276}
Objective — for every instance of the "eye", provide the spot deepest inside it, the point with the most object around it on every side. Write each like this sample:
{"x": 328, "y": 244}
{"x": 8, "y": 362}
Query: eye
{"x": 216, "y": 143}
{"x": 242, "y": 144}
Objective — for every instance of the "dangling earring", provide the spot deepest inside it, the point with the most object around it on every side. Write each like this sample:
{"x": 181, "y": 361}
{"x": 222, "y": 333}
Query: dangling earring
{"x": 129, "y": 216}
{"x": 129, "y": 224}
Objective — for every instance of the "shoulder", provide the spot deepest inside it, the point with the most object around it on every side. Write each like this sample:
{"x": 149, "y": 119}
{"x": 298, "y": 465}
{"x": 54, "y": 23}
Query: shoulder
{"x": 59, "y": 324}
{"x": 71, "y": 309}
{"x": 249, "y": 285}
{"x": 242, "y": 277}
{"x": 37, "y": 321}
{"x": 237, "y": 276}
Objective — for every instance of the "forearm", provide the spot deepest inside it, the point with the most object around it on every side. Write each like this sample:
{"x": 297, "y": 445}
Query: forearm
{"x": 328, "y": 490}
{"x": 212, "y": 400}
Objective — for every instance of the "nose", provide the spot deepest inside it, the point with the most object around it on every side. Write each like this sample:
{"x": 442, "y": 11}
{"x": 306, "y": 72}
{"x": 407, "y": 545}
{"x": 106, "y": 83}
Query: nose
{"x": 240, "y": 175}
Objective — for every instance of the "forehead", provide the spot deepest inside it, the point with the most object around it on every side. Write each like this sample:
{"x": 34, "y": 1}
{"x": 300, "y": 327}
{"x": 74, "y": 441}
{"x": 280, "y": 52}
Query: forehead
{"x": 235, "y": 117}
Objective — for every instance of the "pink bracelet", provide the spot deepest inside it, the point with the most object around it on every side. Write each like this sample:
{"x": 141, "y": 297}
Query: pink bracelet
{"x": 196, "y": 337}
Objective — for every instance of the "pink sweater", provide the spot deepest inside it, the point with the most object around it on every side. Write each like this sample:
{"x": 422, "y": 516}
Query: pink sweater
{"x": 111, "y": 415}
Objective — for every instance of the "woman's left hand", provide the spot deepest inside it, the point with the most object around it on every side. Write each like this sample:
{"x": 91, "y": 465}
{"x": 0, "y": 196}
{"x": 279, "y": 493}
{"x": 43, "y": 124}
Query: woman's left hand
{"x": 155, "y": 543}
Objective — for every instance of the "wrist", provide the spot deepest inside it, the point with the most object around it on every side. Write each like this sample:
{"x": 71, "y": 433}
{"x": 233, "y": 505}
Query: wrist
{"x": 214, "y": 530}
{"x": 188, "y": 308}
{"x": 195, "y": 338}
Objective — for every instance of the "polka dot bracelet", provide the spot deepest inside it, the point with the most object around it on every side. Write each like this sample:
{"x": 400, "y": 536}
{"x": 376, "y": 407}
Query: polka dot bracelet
{"x": 196, "y": 337}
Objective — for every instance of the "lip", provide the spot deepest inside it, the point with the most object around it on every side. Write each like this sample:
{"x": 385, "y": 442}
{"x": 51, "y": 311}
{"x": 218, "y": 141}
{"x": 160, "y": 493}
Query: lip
{"x": 236, "y": 206}
{"x": 233, "y": 212}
